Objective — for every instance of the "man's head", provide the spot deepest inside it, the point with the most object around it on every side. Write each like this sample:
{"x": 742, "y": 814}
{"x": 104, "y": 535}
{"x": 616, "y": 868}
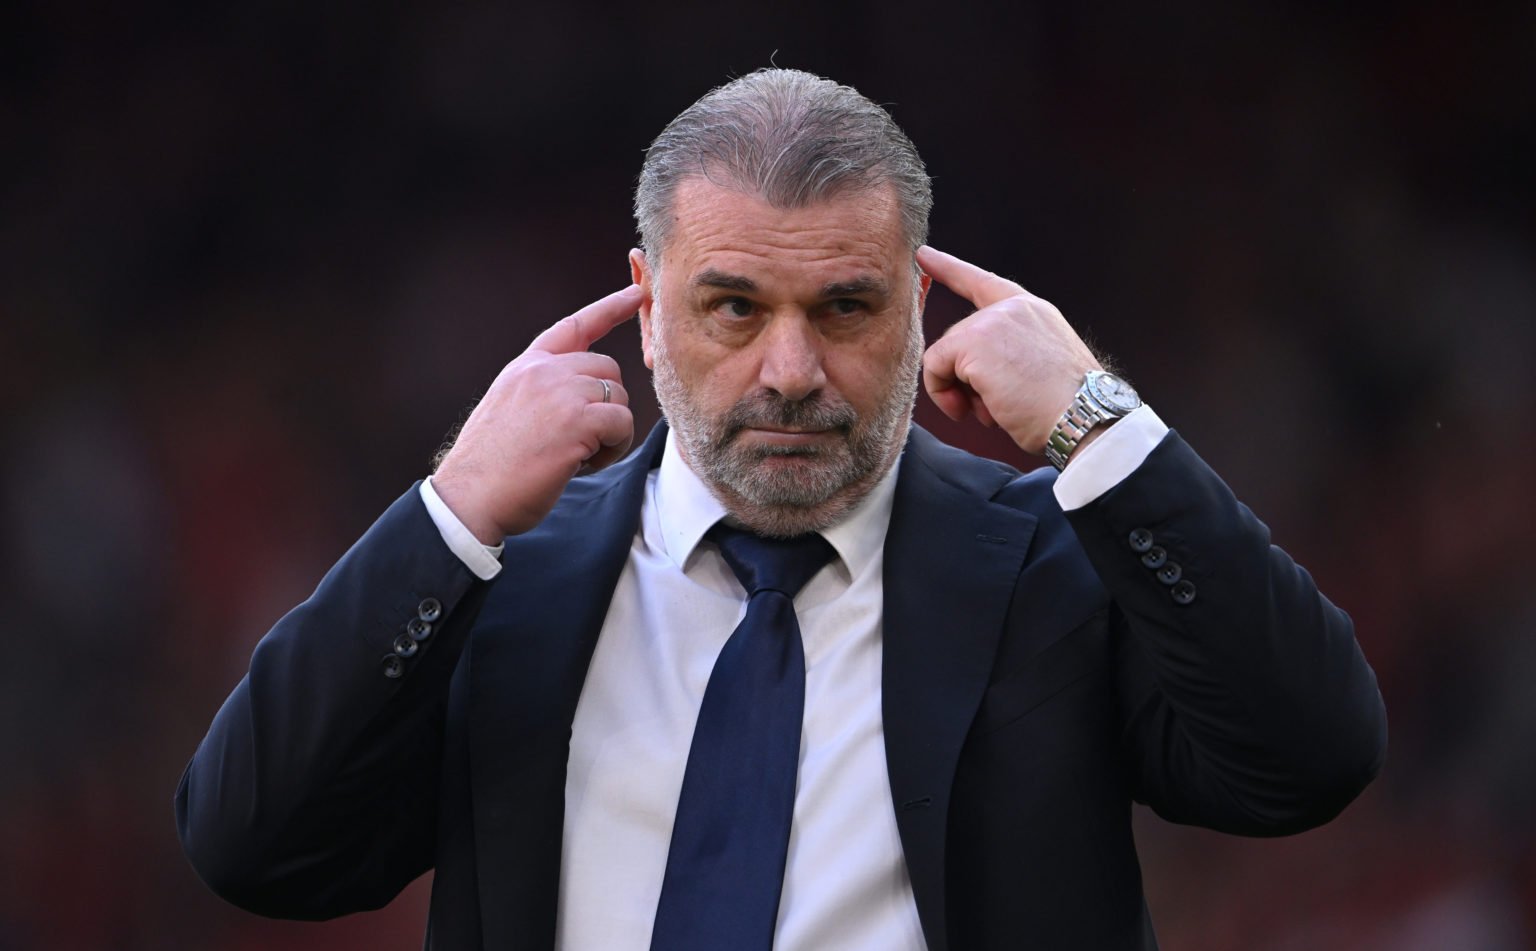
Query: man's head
{"x": 779, "y": 215}
{"x": 788, "y": 137}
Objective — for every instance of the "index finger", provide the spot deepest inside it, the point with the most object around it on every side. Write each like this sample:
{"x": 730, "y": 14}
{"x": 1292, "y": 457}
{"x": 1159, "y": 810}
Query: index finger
{"x": 978, "y": 286}
{"x": 590, "y": 324}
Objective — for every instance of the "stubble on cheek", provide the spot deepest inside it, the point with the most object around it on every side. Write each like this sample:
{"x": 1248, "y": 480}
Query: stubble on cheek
{"x": 779, "y": 489}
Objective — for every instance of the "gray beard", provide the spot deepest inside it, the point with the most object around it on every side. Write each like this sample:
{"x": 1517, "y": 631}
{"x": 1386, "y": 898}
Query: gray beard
{"x": 812, "y": 488}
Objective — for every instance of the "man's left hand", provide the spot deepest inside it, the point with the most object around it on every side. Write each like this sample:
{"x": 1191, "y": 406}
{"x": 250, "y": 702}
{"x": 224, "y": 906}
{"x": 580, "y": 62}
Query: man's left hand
{"x": 1014, "y": 363}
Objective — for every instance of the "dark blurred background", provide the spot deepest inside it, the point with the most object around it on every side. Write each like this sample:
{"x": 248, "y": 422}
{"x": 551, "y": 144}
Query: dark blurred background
{"x": 256, "y": 259}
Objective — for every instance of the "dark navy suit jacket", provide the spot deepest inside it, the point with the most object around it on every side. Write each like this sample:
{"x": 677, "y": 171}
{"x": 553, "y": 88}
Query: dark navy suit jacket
{"x": 1039, "y": 675}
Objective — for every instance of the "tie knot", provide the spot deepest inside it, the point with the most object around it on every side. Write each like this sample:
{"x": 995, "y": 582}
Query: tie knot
{"x": 777, "y": 564}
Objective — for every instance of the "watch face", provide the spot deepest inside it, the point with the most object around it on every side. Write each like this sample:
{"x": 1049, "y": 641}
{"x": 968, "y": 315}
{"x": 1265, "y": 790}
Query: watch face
{"x": 1115, "y": 393}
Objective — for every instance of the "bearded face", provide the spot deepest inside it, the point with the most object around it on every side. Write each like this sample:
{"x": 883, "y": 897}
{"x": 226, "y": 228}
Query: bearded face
{"x": 786, "y": 346}
{"x": 787, "y": 489}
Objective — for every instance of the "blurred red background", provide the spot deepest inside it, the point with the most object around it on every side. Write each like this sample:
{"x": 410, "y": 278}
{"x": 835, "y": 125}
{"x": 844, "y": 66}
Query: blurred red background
{"x": 257, "y": 259}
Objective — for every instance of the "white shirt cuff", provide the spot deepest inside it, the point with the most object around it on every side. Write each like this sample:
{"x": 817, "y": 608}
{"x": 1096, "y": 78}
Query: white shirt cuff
{"x": 483, "y": 560}
{"x": 1102, "y": 464}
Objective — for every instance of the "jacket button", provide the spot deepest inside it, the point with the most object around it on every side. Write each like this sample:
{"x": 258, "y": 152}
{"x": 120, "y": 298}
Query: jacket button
{"x": 1170, "y": 573}
{"x": 394, "y": 667}
{"x": 429, "y": 610}
{"x": 418, "y": 629}
{"x": 1141, "y": 540}
{"x": 1183, "y": 592}
{"x": 405, "y": 647}
{"x": 1155, "y": 557}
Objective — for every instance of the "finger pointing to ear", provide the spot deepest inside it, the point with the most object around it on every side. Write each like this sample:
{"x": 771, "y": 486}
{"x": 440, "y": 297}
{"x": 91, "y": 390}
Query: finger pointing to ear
{"x": 592, "y": 323}
{"x": 1014, "y": 363}
{"x": 554, "y": 409}
{"x": 980, "y": 287}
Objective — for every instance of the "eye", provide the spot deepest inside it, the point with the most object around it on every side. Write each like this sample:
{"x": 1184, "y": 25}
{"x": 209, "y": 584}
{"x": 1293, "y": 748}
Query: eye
{"x": 736, "y": 307}
{"x": 846, "y": 306}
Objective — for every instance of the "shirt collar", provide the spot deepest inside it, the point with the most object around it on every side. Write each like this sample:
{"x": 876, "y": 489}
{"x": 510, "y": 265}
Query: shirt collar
{"x": 686, "y": 510}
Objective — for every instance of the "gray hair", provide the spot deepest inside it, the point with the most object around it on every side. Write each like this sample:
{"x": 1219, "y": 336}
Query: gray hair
{"x": 788, "y": 137}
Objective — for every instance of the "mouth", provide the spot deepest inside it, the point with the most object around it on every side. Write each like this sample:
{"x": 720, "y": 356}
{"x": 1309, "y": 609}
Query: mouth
{"x": 790, "y": 437}
{"x": 766, "y": 425}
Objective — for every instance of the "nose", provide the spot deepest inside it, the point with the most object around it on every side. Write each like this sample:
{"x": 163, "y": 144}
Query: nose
{"x": 792, "y": 357}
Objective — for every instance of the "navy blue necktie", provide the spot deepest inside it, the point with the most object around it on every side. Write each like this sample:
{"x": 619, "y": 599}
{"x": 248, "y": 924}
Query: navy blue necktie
{"x": 725, "y": 867}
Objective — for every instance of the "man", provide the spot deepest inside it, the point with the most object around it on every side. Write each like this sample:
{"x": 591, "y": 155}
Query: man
{"x": 939, "y": 740}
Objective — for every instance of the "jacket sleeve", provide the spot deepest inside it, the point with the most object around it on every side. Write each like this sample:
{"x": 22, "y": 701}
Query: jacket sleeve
{"x": 1248, "y": 706}
{"x": 314, "y": 792}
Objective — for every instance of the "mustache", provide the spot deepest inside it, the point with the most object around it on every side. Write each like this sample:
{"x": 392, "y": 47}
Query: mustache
{"x": 767, "y": 408}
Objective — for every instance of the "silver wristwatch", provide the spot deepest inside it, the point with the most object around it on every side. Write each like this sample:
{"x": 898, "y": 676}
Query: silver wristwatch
{"x": 1102, "y": 397}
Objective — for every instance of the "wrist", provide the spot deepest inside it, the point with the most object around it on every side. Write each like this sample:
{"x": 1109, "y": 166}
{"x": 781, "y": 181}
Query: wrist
{"x": 1101, "y": 399}
{"x": 1093, "y": 434}
{"x": 459, "y": 499}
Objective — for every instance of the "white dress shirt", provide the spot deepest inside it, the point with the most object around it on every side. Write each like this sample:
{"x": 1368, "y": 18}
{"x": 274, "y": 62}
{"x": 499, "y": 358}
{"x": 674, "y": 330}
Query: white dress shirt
{"x": 675, "y": 605}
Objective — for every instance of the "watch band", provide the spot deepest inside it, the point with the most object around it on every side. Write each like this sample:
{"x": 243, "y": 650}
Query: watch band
{"x": 1085, "y": 412}
{"x": 1075, "y": 424}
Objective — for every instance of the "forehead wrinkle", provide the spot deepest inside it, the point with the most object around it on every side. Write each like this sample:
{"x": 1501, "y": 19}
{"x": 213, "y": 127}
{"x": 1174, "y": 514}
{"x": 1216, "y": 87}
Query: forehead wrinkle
{"x": 828, "y": 273}
{"x": 808, "y": 242}
{"x": 724, "y": 239}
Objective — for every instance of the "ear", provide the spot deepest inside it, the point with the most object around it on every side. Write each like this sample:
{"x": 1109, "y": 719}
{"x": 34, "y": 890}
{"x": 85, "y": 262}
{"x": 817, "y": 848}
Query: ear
{"x": 640, "y": 273}
{"x": 924, "y": 282}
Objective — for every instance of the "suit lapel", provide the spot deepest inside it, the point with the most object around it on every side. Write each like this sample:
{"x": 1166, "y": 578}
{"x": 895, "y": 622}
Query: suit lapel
{"x": 531, "y": 648}
{"x": 951, "y": 561}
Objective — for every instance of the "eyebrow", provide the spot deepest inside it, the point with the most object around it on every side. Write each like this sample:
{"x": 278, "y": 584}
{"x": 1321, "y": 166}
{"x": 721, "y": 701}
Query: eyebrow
{"x": 857, "y": 287}
{"x": 713, "y": 277}
{"x": 720, "y": 279}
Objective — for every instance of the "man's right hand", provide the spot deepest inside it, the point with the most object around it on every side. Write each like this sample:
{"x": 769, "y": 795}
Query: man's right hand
{"x": 543, "y": 418}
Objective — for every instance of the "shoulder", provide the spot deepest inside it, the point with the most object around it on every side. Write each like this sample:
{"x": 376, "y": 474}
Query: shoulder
{"x": 980, "y": 476}
{"x": 956, "y": 480}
